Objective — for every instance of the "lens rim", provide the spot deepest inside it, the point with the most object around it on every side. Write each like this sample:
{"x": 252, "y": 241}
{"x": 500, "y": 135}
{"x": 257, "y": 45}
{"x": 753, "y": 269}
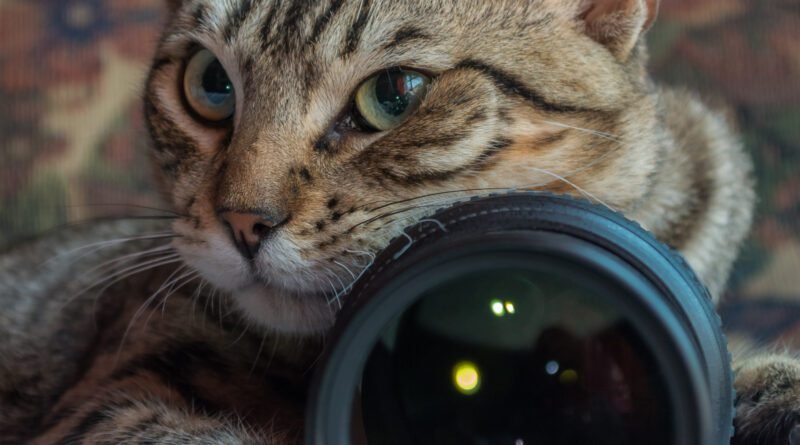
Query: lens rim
{"x": 543, "y": 227}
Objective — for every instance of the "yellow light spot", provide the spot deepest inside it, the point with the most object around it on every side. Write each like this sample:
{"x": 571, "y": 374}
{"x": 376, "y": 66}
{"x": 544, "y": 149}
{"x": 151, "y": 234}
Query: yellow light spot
{"x": 569, "y": 376}
{"x": 467, "y": 378}
{"x": 510, "y": 308}
{"x": 497, "y": 308}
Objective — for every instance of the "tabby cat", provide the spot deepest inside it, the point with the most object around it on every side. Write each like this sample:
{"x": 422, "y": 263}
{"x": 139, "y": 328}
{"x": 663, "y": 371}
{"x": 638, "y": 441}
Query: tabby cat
{"x": 293, "y": 140}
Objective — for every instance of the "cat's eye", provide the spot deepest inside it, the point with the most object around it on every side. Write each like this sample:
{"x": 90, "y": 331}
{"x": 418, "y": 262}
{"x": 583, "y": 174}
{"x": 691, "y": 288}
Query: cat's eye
{"x": 208, "y": 89}
{"x": 387, "y": 99}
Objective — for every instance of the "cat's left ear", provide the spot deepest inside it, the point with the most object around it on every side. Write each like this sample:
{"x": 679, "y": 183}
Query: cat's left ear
{"x": 618, "y": 24}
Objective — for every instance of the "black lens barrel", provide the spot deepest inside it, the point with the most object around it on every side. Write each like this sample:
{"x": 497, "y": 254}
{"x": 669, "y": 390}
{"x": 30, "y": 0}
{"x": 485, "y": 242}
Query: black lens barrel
{"x": 650, "y": 283}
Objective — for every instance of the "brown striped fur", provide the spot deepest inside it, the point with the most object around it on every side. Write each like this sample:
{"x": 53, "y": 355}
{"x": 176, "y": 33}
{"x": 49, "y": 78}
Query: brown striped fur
{"x": 527, "y": 94}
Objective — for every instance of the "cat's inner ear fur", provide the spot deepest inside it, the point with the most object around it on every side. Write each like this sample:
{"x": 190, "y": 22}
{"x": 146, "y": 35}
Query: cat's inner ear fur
{"x": 618, "y": 24}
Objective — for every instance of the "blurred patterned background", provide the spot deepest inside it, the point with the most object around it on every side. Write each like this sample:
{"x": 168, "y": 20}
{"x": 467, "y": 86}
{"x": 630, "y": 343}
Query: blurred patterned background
{"x": 73, "y": 145}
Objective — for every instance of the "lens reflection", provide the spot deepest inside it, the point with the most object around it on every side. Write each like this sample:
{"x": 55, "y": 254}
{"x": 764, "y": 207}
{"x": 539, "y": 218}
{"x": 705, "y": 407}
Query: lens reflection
{"x": 513, "y": 357}
{"x": 467, "y": 378}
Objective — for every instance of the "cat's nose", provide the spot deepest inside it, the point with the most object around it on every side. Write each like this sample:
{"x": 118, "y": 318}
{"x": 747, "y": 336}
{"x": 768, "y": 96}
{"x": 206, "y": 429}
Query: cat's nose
{"x": 249, "y": 230}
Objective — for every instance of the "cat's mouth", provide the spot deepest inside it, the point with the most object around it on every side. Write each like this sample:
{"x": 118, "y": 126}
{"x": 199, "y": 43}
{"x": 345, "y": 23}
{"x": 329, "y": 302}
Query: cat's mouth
{"x": 277, "y": 291}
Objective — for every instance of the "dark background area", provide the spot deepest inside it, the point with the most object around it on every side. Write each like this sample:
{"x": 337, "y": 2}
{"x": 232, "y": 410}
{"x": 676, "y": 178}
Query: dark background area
{"x": 73, "y": 145}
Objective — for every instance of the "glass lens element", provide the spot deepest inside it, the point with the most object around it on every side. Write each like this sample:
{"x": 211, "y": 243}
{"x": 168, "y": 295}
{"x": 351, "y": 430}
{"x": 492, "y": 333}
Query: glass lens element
{"x": 513, "y": 357}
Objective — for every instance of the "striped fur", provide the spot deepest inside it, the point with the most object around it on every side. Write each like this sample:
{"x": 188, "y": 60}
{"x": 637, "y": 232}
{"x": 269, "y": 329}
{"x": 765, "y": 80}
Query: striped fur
{"x": 549, "y": 108}
{"x": 526, "y": 94}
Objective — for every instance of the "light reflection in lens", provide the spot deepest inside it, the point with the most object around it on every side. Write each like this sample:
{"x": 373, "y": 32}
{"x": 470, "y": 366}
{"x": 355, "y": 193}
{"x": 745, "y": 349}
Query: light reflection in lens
{"x": 501, "y": 308}
{"x": 467, "y": 378}
{"x": 497, "y": 308}
{"x": 569, "y": 376}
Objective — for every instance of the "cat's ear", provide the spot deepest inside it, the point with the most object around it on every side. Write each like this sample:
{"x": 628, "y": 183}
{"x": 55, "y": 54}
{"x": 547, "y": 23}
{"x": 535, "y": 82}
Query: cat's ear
{"x": 618, "y": 24}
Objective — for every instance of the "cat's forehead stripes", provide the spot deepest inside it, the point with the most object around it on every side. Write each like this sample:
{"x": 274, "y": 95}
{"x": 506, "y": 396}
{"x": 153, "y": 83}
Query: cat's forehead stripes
{"x": 295, "y": 67}
{"x": 281, "y": 26}
{"x": 294, "y": 46}
{"x": 299, "y": 63}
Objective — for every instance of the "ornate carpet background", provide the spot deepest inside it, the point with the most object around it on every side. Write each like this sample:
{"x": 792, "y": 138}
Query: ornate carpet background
{"x": 73, "y": 147}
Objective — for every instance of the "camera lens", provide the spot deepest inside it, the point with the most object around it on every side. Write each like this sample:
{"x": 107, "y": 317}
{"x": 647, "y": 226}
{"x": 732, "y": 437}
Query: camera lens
{"x": 525, "y": 319}
{"x": 513, "y": 357}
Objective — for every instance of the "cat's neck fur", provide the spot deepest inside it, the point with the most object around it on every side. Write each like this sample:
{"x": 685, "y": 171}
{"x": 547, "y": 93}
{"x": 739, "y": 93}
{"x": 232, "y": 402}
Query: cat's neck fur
{"x": 700, "y": 196}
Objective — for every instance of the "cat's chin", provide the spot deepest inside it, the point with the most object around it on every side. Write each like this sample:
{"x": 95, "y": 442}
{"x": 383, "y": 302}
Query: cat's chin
{"x": 284, "y": 312}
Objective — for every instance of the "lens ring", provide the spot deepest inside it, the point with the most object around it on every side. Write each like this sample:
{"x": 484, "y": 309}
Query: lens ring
{"x": 586, "y": 227}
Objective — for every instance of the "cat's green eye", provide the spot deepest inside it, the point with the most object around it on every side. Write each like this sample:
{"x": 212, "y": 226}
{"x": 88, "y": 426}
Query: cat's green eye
{"x": 387, "y": 99}
{"x": 208, "y": 88}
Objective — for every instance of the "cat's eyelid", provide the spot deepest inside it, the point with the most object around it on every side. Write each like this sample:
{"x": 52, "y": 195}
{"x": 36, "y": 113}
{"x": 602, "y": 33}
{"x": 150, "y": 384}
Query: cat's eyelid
{"x": 429, "y": 73}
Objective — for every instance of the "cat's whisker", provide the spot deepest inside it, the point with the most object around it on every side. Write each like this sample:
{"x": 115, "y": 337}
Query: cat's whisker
{"x": 143, "y": 307}
{"x": 129, "y": 257}
{"x": 326, "y": 272}
{"x": 448, "y": 201}
{"x": 172, "y": 279}
{"x": 123, "y": 274}
{"x": 420, "y": 197}
{"x": 258, "y": 355}
{"x": 196, "y": 295}
{"x": 581, "y": 190}
{"x": 371, "y": 256}
{"x": 337, "y": 292}
{"x": 126, "y": 258}
{"x": 131, "y": 206}
{"x": 392, "y": 213}
{"x": 107, "y": 219}
{"x": 241, "y": 336}
{"x": 139, "y": 268}
{"x": 595, "y": 161}
{"x": 126, "y": 269}
{"x": 345, "y": 268}
{"x": 597, "y": 133}
{"x": 363, "y": 270}
{"x": 107, "y": 243}
{"x": 435, "y": 221}
{"x": 175, "y": 287}
{"x": 220, "y": 311}
{"x": 209, "y": 301}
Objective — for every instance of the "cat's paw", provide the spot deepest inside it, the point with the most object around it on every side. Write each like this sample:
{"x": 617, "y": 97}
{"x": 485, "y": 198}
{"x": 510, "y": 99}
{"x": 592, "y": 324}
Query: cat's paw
{"x": 768, "y": 401}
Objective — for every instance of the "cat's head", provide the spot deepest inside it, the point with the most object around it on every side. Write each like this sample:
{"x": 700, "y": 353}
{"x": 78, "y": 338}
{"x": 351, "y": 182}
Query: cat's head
{"x": 299, "y": 137}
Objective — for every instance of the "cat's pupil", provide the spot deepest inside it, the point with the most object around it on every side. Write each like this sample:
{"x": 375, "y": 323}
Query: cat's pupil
{"x": 217, "y": 85}
{"x": 394, "y": 90}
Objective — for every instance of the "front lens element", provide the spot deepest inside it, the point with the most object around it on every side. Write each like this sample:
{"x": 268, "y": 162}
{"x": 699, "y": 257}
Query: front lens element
{"x": 513, "y": 357}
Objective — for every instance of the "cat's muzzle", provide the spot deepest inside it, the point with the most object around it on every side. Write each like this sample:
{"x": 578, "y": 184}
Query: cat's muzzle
{"x": 525, "y": 319}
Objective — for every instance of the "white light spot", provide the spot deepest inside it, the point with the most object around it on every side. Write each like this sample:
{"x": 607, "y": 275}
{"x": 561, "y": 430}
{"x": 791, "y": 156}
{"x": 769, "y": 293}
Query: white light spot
{"x": 497, "y": 308}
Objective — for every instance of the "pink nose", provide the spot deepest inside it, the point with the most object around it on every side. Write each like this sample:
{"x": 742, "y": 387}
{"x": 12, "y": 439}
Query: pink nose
{"x": 248, "y": 230}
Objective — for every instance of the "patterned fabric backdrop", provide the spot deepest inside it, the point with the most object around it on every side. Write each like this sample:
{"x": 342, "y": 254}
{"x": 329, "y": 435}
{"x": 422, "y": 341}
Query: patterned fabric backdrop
{"x": 73, "y": 146}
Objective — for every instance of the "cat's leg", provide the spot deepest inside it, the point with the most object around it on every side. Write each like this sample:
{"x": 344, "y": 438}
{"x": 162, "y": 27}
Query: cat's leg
{"x": 152, "y": 421}
{"x": 767, "y": 398}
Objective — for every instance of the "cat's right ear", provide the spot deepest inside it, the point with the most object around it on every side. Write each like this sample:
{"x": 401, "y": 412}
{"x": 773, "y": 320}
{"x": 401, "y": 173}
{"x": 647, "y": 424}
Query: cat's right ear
{"x": 618, "y": 24}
